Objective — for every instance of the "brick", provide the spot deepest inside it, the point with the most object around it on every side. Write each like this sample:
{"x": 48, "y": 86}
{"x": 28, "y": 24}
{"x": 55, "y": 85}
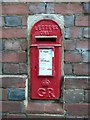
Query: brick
{"x": 9, "y": 1}
{"x": 1, "y": 21}
{"x": 24, "y": 45}
{"x": 0, "y": 94}
{"x": 13, "y": 9}
{"x": 34, "y": 1}
{"x": 14, "y": 57}
{"x": 23, "y": 68}
{"x": 13, "y": 82}
{"x": 69, "y": 45}
{"x": 9, "y": 57}
{"x": 0, "y": 56}
{"x": 16, "y": 94}
{"x": 87, "y": 7}
{"x": 87, "y": 96}
{"x": 86, "y": 33}
{"x": 16, "y": 116}
{"x": 0, "y": 9}
{"x": 24, "y": 21}
{"x": 12, "y": 107}
{"x": 0, "y": 68}
{"x": 11, "y": 68}
{"x": 69, "y": 21}
{"x": 88, "y": 83}
{"x": 76, "y": 109}
{"x": 13, "y": 21}
{"x": 76, "y": 83}
{"x": 22, "y": 57}
{"x": 71, "y": 1}
{"x": 85, "y": 55}
{"x": 81, "y": 21}
{"x": 14, "y": 33}
{"x": 80, "y": 33}
{"x": 82, "y": 45}
{"x": 67, "y": 33}
{"x": 50, "y": 8}
{"x": 28, "y": 1}
{"x": 67, "y": 8}
{"x": 73, "y": 96}
{"x": 3, "y": 94}
{"x": 12, "y": 45}
{"x": 1, "y": 82}
{"x": 72, "y": 57}
{"x": 36, "y": 8}
{"x": 0, "y": 33}
{"x": 34, "y": 107}
{"x": 1, "y": 45}
{"x": 81, "y": 69}
{"x": 74, "y": 32}
{"x": 68, "y": 69}
{"x": 56, "y": 108}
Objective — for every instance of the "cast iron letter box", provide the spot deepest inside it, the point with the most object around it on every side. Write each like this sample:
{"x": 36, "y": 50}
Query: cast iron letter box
{"x": 45, "y": 60}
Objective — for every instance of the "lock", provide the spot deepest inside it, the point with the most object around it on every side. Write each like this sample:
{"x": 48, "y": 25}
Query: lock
{"x": 45, "y": 60}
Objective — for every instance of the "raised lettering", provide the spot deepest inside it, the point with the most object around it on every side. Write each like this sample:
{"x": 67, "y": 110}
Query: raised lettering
{"x": 50, "y": 92}
{"x": 43, "y": 27}
{"x": 56, "y": 27}
{"x": 46, "y": 27}
{"x": 39, "y": 27}
{"x": 36, "y": 28}
{"x": 46, "y": 92}
{"x": 41, "y": 33}
{"x": 41, "y": 92}
{"x": 50, "y": 27}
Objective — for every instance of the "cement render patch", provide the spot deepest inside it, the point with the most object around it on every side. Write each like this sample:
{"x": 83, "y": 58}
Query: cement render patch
{"x": 21, "y": 76}
{"x": 70, "y": 76}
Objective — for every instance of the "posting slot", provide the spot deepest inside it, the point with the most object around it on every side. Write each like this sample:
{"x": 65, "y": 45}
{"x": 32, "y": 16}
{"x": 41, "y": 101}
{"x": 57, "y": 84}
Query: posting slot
{"x": 46, "y": 38}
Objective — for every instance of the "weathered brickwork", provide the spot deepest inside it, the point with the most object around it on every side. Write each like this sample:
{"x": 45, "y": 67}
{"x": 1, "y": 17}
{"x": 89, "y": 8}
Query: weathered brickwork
{"x": 14, "y": 60}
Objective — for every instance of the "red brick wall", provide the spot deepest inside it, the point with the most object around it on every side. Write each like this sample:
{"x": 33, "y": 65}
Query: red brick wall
{"x": 14, "y": 62}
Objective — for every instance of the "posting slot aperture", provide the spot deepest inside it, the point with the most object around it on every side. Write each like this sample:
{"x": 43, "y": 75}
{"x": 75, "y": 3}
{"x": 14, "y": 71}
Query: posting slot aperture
{"x": 46, "y": 38}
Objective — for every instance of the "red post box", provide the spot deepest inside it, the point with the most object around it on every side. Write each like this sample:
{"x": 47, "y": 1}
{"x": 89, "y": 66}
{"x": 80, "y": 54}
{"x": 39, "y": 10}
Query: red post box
{"x": 45, "y": 60}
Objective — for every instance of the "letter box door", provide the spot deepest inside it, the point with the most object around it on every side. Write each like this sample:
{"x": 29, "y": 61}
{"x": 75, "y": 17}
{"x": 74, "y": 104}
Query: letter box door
{"x": 45, "y": 60}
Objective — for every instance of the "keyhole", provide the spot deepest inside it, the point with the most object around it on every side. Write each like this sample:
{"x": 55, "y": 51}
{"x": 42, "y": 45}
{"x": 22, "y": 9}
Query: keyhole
{"x": 35, "y": 67}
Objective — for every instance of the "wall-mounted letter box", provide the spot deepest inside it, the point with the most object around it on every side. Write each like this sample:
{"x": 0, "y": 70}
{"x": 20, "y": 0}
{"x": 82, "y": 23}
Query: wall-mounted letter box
{"x": 45, "y": 60}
